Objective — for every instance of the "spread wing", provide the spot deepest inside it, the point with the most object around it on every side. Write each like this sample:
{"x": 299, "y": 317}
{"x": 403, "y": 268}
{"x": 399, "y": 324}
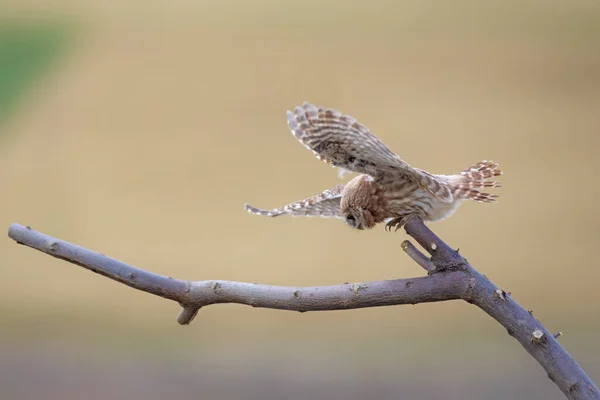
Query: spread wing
{"x": 326, "y": 205}
{"x": 343, "y": 142}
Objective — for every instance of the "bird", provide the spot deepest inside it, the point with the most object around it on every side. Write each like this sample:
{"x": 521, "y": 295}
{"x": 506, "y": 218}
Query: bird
{"x": 387, "y": 188}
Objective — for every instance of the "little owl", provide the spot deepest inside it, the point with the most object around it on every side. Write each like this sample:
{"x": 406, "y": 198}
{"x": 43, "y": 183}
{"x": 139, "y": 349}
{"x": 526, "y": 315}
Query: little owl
{"x": 387, "y": 189}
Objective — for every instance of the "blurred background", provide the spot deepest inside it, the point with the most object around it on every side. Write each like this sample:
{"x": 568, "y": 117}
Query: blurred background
{"x": 139, "y": 129}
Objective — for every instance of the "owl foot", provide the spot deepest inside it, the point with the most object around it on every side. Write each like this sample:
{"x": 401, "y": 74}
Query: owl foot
{"x": 399, "y": 222}
{"x": 396, "y": 223}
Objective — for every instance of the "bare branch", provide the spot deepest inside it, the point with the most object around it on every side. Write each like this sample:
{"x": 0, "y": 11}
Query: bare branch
{"x": 561, "y": 368}
{"x": 450, "y": 277}
{"x": 418, "y": 257}
{"x": 194, "y": 295}
{"x": 169, "y": 288}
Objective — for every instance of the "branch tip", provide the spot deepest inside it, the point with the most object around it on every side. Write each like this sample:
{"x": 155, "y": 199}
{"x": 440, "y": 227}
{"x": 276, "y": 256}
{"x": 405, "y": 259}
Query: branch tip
{"x": 187, "y": 315}
{"x": 418, "y": 257}
{"x": 404, "y": 245}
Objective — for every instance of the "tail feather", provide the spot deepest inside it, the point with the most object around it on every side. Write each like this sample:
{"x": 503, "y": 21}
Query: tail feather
{"x": 482, "y": 170}
{"x": 476, "y": 195}
{"x": 478, "y": 184}
{"x": 466, "y": 183}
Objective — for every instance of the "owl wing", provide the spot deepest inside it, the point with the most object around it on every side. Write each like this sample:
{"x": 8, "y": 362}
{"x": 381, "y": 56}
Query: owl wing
{"x": 326, "y": 205}
{"x": 341, "y": 141}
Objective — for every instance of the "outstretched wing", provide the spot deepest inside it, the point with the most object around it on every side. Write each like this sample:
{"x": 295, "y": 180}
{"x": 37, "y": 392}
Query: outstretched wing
{"x": 326, "y": 204}
{"x": 343, "y": 142}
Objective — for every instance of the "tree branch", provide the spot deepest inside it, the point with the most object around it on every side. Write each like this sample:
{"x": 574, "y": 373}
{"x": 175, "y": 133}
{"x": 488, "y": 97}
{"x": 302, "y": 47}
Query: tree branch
{"x": 418, "y": 257}
{"x": 194, "y": 295}
{"x": 450, "y": 277}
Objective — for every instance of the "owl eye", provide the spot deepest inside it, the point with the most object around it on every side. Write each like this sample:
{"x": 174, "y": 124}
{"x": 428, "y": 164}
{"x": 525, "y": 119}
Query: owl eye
{"x": 351, "y": 218}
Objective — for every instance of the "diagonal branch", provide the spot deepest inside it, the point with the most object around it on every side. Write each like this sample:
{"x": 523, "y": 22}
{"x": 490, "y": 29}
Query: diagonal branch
{"x": 450, "y": 277}
{"x": 561, "y": 368}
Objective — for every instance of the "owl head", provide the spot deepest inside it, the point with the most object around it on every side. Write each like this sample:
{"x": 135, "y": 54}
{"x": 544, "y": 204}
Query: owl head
{"x": 359, "y": 218}
{"x": 357, "y": 199}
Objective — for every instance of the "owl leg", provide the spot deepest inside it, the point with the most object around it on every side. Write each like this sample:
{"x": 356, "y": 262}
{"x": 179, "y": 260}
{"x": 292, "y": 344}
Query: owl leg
{"x": 399, "y": 222}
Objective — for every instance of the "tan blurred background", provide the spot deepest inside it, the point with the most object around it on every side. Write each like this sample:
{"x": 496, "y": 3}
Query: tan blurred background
{"x": 139, "y": 129}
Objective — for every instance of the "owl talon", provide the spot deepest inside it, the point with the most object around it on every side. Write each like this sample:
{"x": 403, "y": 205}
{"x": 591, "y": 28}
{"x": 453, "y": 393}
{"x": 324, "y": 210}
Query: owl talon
{"x": 397, "y": 223}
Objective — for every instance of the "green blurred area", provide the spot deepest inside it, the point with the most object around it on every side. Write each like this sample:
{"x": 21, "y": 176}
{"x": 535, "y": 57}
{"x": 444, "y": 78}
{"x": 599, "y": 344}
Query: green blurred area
{"x": 26, "y": 50}
{"x": 145, "y": 140}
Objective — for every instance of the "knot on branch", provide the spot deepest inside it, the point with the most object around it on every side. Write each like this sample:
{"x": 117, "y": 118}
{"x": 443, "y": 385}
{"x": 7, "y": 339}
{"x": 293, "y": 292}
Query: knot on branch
{"x": 445, "y": 265}
{"x": 443, "y": 257}
{"x": 539, "y": 337}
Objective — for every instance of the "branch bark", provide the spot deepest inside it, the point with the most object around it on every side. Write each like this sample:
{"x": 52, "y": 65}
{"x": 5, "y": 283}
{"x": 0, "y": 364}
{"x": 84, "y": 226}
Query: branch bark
{"x": 450, "y": 277}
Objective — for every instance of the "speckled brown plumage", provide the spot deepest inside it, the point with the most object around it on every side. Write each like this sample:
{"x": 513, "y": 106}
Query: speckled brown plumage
{"x": 387, "y": 189}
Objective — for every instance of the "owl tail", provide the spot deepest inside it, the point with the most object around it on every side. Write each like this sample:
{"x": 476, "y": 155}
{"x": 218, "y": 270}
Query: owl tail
{"x": 465, "y": 184}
